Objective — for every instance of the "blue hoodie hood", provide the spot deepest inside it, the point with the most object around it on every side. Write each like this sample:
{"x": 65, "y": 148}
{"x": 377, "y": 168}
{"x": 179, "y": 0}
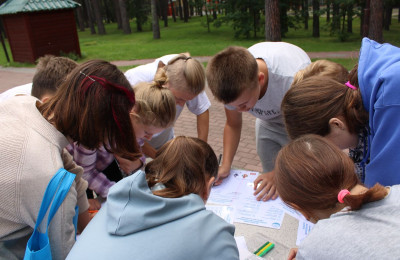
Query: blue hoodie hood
{"x": 130, "y": 196}
{"x": 379, "y": 81}
{"x": 374, "y": 68}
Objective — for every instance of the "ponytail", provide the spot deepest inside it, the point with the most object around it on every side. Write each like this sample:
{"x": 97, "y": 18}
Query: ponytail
{"x": 155, "y": 104}
{"x": 355, "y": 202}
{"x": 185, "y": 74}
{"x": 355, "y": 113}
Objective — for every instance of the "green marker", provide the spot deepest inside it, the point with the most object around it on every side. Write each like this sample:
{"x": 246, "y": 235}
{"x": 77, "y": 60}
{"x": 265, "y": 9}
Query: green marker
{"x": 261, "y": 247}
{"x": 266, "y": 250}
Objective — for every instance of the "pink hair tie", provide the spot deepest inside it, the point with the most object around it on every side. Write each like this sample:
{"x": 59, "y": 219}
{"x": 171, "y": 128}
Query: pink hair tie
{"x": 342, "y": 194}
{"x": 348, "y": 84}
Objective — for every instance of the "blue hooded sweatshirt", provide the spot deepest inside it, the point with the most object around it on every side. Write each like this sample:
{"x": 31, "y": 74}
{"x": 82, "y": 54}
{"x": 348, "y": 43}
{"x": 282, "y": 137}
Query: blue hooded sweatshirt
{"x": 379, "y": 81}
{"x": 135, "y": 224}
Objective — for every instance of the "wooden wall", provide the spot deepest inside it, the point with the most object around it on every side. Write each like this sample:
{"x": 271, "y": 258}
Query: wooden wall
{"x": 32, "y": 35}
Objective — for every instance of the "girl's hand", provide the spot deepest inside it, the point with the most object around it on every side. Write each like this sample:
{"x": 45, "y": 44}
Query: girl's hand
{"x": 292, "y": 254}
{"x": 94, "y": 204}
{"x": 128, "y": 166}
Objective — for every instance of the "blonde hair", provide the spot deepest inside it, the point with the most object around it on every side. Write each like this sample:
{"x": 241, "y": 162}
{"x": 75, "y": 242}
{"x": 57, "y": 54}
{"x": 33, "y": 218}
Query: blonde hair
{"x": 183, "y": 73}
{"x": 183, "y": 165}
{"x": 155, "y": 105}
{"x": 230, "y": 72}
{"x": 324, "y": 68}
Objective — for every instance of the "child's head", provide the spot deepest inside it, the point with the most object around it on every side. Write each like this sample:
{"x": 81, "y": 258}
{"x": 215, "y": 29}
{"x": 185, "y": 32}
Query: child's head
{"x": 324, "y": 68}
{"x": 92, "y": 107}
{"x": 154, "y": 109}
{"x": 323, "y": 106}
{"x": 185, "y": 78}
{"x": 230, "y": 72}
{"x": 310, "y": 172}
{"x": 184, "y": 165}
{"x": 50, "y": 73}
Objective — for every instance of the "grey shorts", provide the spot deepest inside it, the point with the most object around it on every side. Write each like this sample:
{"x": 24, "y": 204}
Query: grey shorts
{"x": 269, "y": 140}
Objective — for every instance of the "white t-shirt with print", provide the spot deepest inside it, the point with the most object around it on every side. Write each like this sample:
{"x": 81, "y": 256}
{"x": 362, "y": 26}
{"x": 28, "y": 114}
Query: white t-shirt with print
{"x": 283, "y": 61}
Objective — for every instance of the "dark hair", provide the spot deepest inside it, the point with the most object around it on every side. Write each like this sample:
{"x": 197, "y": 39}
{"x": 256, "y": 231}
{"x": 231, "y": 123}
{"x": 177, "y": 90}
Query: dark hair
{"x": 308, "y": 106}
{"x": 50, "y": 73}
{"x": 183, "y": 165}
{"x": 230, "y": 72}
{"x": 310, "y": 172}
{"x": 93, "y": 107}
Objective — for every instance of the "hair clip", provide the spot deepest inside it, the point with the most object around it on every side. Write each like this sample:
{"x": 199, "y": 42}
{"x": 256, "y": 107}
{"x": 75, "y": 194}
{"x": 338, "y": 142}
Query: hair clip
{"x": 348, "y": 84}
{"x": 87, "y": 76}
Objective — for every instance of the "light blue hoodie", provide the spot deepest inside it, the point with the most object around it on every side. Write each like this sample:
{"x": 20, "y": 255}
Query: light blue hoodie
{"x": 379, "y": 81}
{"x": 135, "y": 224}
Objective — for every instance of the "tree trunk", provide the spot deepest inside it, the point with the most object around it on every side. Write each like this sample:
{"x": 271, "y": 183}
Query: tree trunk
{"x": 109, "y": 17}
{"x": 79, "y": 16}
{"x": 164, "y": 11}
{"x": 335, "y": 17}
{"x": 173, "y": 10}
{"x": 366, "y": 19}
{"x": 126, "y": 27}
{"x": 118, "y": 14}
{"x": 328, "y": 11}
{"x": 387, "y": 16}
{"x": 350, "y": 18}
{"x": 180, "y": 9}
{"x": 185, "y": 11}
{"x": 98, "y": 16}
{"x": 154, "y": 20}
{"x": 272, "y": 21}
{"x": 90, "y": 17}
{"x": 305, "y": 13}
{"x": 375, "y": 28}
{"x": 315, "y": 18}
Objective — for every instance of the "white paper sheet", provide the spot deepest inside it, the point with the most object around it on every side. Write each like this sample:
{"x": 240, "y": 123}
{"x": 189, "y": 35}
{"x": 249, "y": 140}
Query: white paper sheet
{"x": 261, "y": 213}
{"x": 233, "y": 187}
{"x": 225, "y": 212}
{"x": 304, "y": 228}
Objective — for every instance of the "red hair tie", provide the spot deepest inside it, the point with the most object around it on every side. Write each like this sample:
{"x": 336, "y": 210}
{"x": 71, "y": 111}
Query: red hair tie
{"x": 342, "y": 194}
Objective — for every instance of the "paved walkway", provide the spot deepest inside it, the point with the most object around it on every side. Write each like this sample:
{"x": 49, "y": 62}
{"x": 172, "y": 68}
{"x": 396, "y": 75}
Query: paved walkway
{"x": 246, "y": 156}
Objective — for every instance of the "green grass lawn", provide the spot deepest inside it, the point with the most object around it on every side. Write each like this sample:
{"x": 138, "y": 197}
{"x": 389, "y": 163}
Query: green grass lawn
{"x": 193, "y": 37}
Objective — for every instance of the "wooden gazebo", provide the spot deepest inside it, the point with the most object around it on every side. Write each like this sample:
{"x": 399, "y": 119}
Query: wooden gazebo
{"x": 38, "y": 27}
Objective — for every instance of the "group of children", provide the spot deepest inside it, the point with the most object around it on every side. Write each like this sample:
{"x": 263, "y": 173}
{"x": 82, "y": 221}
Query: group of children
{"x": 108, "y": 122}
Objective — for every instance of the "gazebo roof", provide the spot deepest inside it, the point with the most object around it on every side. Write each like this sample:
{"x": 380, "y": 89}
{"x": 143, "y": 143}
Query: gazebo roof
{"x": 23, "y": 6}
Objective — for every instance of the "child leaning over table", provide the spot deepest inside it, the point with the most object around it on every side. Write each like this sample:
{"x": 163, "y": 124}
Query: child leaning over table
{"x": 313, "y": 176}
{"x": 255, "y": 80}
{"x": 186, "y": 81}
{"x": 153, "y": 111}
{"x": 160, "y": 213}
{"x": 337, "y": 111}
{"x": 32, "y": 140}
{"x": 337, "y": 72}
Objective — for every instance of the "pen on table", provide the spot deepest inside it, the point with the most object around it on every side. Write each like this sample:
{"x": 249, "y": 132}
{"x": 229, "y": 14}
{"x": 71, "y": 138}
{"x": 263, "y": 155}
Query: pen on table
{"x": 261, "y": 247}
{"x": 266, "y": 250}
{"x": 219, "y": 159}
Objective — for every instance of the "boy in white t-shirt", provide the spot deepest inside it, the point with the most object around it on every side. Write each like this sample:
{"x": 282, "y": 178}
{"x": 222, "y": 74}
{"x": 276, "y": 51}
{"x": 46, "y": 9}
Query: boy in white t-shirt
{"x": 186, "y": 80}
{"x": 255, "y": 80}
